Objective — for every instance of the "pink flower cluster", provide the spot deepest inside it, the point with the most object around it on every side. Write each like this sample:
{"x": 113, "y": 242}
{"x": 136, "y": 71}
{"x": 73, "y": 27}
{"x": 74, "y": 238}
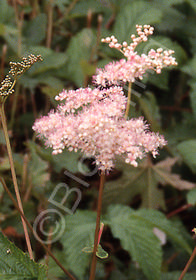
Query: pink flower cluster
{"x": 135, "y": 65}
{"x": 93, "y": 121}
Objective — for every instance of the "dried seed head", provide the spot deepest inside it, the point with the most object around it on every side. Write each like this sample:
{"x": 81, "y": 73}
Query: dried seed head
{"x": 18, "y": 68}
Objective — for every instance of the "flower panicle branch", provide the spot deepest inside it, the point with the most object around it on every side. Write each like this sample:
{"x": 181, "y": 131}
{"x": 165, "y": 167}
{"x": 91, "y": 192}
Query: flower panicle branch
{"x": 93, "y": 120}
{"x": 133, "y": 65}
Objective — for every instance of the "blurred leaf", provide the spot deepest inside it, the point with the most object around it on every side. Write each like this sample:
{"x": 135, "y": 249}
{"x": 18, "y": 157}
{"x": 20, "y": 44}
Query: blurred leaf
{"x": 149, "y": 107}
{"x": 51, "y": 61}
{"x": 192, "y": 95}
{"x": 187, "y": 149}
{"x": 181, "y": 131}
{"x": 174, "y": 275}
{"x": 137, "y": 12}
{"x": 82, "y": 8}
{"x": 164, "y": 174}
{"x": 190, "y": 67}
{"x": 65, "y": 160}
{"x": 191, "y": 197}
{"x": 37, "y": 169}
{"x": 192, "y": 3}
{"x": 35, "y": 30}
{"x": 15, "y": 265}
{"x": 144, "y": 180}
{"x": 79, "y": 233}
{"x": 137, "y": 237}
{"x": 6, "y": 12}
{"x": 4, "y": 164}
{"x": 79, "y": 52}
{"x": 134, "y": 181}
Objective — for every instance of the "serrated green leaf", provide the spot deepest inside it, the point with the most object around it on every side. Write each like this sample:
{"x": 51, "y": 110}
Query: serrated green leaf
{"x": 137, "y": 237}
{"x": 158, "y": 220}
{"x": 14, "y": 264}
{"x": 187, "y": 149}
{"x": 79, "y": 233}
{"x": 137, "y": 12}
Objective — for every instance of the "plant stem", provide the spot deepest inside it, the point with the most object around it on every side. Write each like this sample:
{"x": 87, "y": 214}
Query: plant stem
{"x": 188, "y": 264}
{"x": 128, "y": 100}
{"x": 50, "y": 24}
{"x": 99, "y": 206}
{"x": 9, "y": 150}
{"x": 31, "y": 229}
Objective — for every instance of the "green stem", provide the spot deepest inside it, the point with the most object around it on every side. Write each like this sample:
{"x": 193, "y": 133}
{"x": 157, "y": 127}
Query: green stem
{"x": 128, "y": 100}
{"x": 99, "y": 206}
{"x": 9, "y": 150}
{"x": 31, "y": 229}
{"x": 188, "y": 264}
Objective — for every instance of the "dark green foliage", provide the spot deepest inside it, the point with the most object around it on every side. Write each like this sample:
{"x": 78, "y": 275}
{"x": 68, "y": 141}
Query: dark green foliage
{"x": 15, "y": 265}
{"x": 168, "y": 103}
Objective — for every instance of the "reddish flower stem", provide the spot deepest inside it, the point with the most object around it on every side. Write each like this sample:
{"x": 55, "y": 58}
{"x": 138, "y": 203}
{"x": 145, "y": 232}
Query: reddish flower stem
{"x": 97, "y": 229}
{"x": 188, "y": 264}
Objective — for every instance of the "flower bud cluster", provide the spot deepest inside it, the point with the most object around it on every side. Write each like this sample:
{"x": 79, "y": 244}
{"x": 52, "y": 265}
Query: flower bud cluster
{"x": 134, "y": 65}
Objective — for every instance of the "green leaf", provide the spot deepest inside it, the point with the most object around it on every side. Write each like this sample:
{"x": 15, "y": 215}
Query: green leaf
{"x": 137, "y": 237}
{"x": 6, "y": 12}
{"x": 51, "y": 61}
{"x": 134, "y": 181}
{"x": 158, "y": 220}
{"x": 35, "y": 30}
{"x": 79, "y": 54}
{"x": 191, "y": 197}
{"x": 192, "y": 95}
{"x": 79, "y": 234}
{"x": 148, "y": 105}
{"x": 190, "y": 67}
{"x": 37, "y": 169}
{"x": 174, "y": 275}
{"x": 137, "y": 12}
{"x": 187, "y": 149}
{"x": 15, "y": 265}
{"x": 82, "y": 8}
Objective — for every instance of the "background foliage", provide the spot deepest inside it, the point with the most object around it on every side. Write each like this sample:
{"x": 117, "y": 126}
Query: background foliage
{"x": 158, "y": 194}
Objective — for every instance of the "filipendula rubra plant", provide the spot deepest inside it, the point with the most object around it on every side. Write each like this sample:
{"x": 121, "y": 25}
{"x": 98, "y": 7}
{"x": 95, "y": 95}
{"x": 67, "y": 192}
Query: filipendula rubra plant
{"x": 95, "y": 122}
